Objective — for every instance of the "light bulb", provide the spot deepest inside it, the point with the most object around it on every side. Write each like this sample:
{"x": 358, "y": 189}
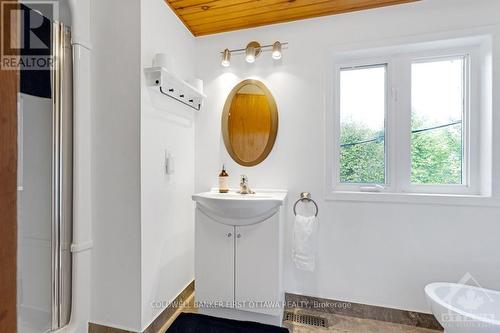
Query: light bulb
{"x": 226, "y": 58}
{"x": 250, "y": 54}
{"x": 276, "y": 51}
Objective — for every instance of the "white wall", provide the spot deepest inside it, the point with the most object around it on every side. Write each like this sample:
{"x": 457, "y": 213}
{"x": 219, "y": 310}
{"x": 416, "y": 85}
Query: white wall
{"x": 374, "y": 253}
{"x": 167, "y": 221}
{"x": 116, "y": 188}
{"x": 143, "y": 228}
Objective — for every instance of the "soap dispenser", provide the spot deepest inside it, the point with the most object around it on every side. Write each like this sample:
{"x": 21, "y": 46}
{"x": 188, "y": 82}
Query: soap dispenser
{"x": 223, "y": 181}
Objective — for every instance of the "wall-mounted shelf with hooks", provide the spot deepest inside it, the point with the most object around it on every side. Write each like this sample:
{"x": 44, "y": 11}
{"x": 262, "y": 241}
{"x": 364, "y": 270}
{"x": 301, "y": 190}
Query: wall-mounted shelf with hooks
{"x": 170, "y": 85}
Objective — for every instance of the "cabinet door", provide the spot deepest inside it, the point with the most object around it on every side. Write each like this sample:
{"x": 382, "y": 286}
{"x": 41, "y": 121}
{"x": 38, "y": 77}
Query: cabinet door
{"x": 214, "y": 262}
{"x": 257, "y": 267}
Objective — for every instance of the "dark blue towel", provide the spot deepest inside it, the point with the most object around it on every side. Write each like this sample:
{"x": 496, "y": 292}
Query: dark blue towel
{"x": 197, "y": 323}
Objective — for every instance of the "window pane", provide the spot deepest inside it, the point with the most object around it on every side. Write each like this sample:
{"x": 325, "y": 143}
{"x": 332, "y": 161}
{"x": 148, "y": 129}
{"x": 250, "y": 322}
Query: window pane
{"x": 362, "y": 124}
{"x": 437, "y": 121}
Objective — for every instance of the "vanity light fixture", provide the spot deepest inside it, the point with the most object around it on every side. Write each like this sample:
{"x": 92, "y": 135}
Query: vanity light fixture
{"x": 226, "y": 58}
{"x": 252, "y": 51}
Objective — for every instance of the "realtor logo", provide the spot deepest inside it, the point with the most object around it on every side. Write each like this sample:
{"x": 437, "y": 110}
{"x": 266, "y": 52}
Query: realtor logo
{"x": 26, "y": 36}
{"x": 474, "y": 300}
{"x": 471, "y": 300}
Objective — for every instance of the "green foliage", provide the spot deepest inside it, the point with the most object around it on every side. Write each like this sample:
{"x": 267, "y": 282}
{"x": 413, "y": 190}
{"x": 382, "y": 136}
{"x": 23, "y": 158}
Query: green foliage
{"x": 436, "y": 155}
{"x": 361, "y": 163}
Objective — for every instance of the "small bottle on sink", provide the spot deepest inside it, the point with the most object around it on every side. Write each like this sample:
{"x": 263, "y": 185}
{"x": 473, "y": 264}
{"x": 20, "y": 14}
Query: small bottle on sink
{"x": 223, "y": 181}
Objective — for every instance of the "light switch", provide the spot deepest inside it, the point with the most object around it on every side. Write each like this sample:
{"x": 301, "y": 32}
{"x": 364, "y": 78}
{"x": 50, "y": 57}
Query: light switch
{"x": 169, "y": 163}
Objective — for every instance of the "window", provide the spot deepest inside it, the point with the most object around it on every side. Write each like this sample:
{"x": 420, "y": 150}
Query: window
{"x": 362, "y": 124}
{"x": 407, "y": 121}
{"x": 438, "y": 106}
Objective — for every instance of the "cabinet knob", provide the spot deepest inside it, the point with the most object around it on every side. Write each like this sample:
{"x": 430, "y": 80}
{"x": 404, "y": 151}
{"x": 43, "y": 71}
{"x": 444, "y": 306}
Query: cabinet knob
{"x": 229, "y": 234}
{"x": 238, "y": 235}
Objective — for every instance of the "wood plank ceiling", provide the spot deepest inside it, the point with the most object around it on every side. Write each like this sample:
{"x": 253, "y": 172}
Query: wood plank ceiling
{"x": 205, "y": 17}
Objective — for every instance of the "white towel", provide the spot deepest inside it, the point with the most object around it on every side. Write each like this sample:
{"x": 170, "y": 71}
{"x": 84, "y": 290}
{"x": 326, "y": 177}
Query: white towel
{"x": 304, "y": 242}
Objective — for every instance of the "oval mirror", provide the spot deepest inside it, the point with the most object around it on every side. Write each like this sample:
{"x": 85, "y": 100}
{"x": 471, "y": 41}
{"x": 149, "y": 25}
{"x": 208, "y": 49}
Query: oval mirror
{"x": 249, "y": 122}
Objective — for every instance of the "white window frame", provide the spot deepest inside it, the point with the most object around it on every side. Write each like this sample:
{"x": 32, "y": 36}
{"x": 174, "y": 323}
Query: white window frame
{"x": 398, "y": 119}
{"x": 358, "y": 64}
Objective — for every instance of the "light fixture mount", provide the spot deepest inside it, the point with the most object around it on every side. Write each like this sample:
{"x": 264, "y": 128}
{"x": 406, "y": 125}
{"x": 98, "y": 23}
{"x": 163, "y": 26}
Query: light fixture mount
{"x": 256, "y": 46}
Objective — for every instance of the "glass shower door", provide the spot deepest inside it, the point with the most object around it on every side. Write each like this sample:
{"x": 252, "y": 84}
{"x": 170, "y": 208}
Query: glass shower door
{"x": 45, "y": 140}
{"x": 34, "y": 214}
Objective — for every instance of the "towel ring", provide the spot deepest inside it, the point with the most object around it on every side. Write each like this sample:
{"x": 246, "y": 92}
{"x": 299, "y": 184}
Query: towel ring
{"x": 305, "y": 196}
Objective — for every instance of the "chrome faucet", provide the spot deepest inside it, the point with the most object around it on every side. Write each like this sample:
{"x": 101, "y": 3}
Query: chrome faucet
{"x": 244, "y": 188}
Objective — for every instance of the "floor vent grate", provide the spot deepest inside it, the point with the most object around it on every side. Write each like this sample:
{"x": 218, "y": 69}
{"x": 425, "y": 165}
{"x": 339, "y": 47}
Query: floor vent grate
{"x": 305, "y": 319}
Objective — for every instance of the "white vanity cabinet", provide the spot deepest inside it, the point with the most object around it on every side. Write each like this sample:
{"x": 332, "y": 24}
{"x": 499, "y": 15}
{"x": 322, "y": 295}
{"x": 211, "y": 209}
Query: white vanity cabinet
{"x": 214, "y": 258}
{"x": 238, "y": 261}
{"x": 257, "y": 267}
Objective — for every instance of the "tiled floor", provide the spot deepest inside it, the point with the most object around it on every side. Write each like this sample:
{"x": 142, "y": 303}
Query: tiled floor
{"x": 336, "y": 324}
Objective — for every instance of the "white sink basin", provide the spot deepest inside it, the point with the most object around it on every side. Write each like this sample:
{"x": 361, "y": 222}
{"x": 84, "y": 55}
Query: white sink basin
{"x": 240, "y": 209}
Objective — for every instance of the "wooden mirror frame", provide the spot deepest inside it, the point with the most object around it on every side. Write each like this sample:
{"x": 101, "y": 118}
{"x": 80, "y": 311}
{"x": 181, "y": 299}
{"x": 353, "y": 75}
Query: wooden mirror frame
{"x": 274, "y": 122}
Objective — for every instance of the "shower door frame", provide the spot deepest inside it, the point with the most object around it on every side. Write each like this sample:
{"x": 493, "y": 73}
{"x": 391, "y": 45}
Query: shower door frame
{"x": 62, "y": 175}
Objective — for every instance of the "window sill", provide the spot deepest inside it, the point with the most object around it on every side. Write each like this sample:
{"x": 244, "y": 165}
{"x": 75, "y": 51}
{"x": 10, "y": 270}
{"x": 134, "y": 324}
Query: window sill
{"x": 414, "y": 198}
